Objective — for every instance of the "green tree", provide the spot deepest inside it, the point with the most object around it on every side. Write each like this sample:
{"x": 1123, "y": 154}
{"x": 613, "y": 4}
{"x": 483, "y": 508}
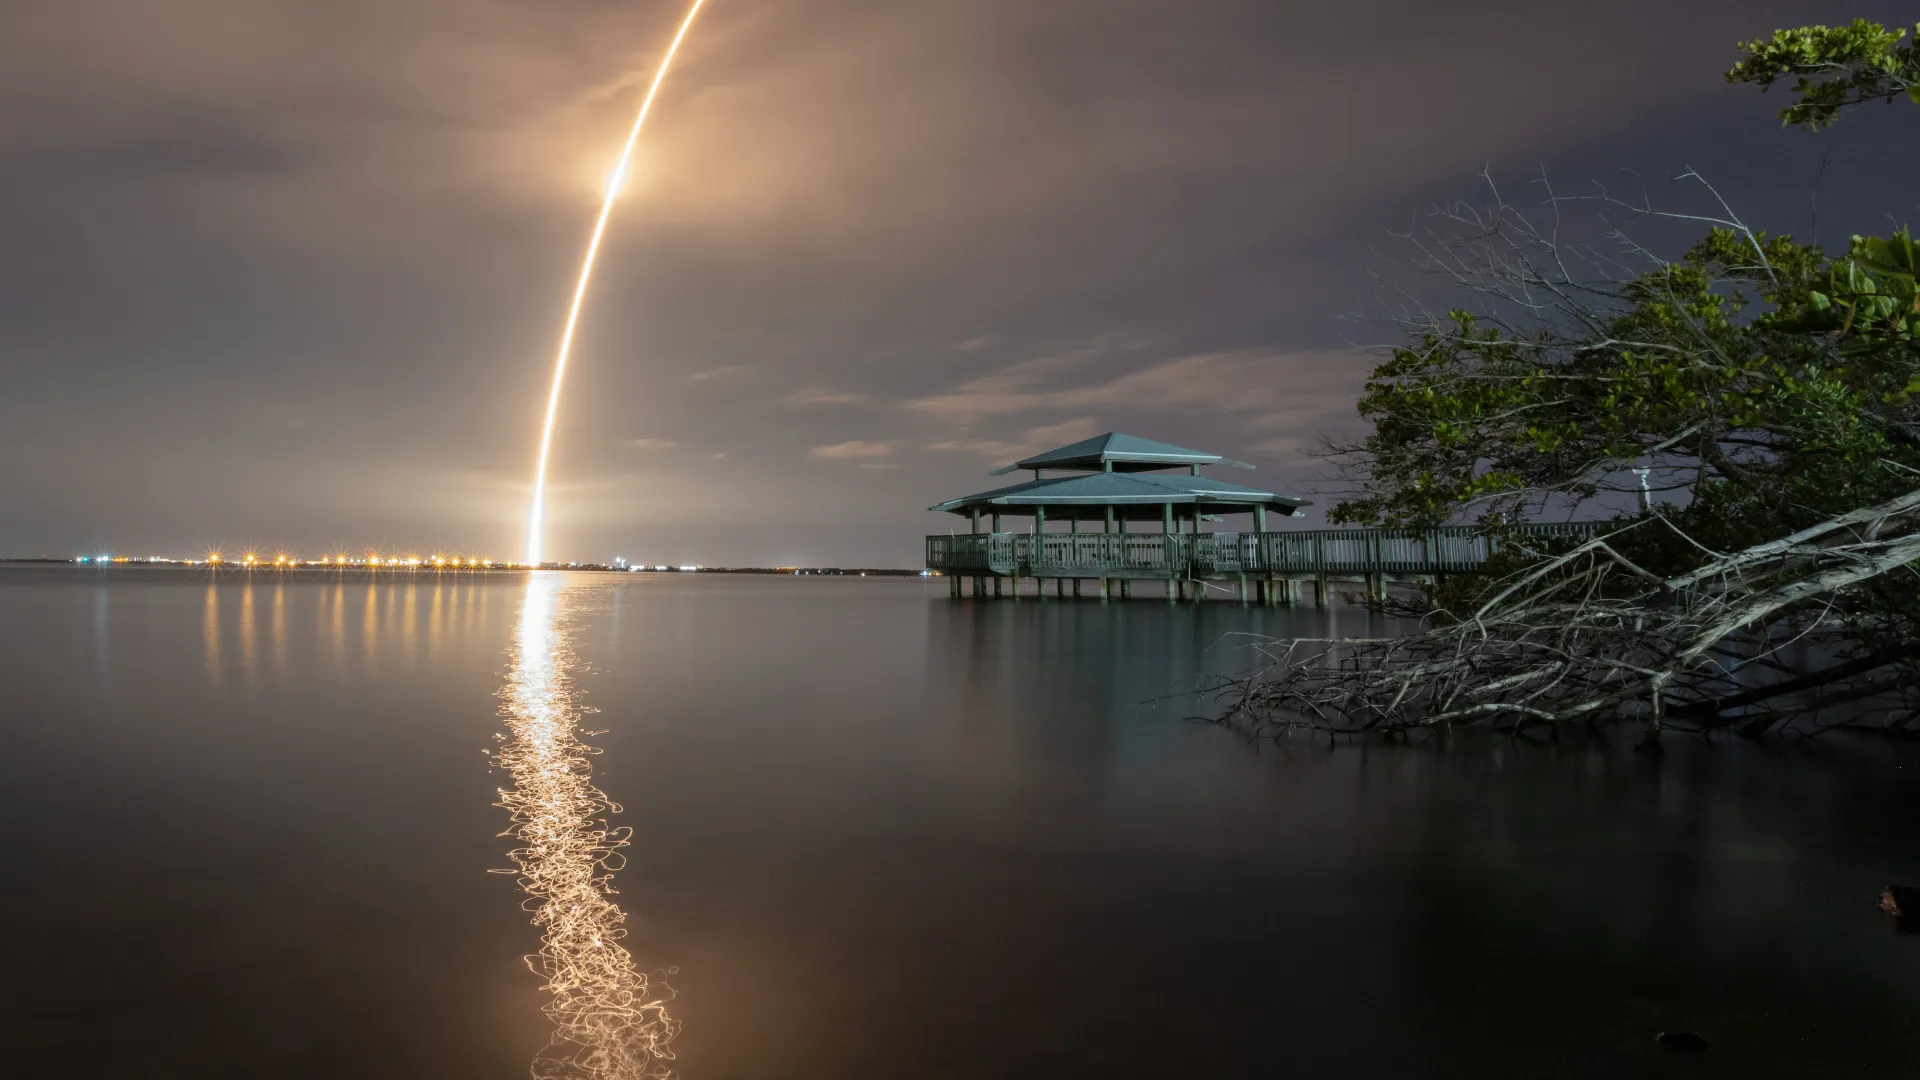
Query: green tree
{"x": 1838, "y": 67}
{"x": 1747, "y": 414}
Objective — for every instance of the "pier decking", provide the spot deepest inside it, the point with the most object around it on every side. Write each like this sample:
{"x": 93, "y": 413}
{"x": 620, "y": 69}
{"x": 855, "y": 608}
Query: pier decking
{"x": 1268, "y": 566}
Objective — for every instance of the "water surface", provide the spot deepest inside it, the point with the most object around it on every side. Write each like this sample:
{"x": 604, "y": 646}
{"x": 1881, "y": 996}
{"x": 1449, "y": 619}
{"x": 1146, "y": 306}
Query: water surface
{"x": 875, "y": 833}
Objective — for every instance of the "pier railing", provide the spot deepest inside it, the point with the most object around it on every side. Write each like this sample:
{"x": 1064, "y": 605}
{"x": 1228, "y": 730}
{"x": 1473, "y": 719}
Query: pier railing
{"x": 1448, "y": 550}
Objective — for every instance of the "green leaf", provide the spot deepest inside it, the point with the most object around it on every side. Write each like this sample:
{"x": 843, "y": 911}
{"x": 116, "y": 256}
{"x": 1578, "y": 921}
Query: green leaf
{"x": 1913, "y": 93}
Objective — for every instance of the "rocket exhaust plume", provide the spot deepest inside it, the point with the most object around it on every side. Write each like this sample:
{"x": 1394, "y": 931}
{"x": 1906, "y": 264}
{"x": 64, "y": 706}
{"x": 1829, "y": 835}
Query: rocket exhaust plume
{"x": 536, "y": 515}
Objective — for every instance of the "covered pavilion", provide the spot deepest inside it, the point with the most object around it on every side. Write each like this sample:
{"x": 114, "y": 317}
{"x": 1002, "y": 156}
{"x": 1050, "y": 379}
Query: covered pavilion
{"x": 1080, "y": 521}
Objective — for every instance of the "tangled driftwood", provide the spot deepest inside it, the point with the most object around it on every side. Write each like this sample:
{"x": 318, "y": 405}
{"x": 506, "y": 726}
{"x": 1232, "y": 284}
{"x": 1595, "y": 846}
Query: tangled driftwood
{"x": 1751, "y": 640}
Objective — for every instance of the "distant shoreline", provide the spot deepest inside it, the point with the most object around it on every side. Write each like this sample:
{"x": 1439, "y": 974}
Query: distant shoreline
{"x": 465, "y": 571}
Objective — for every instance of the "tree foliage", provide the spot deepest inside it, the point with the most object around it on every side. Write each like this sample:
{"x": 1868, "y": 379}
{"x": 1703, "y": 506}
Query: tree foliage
{"x": 1837, "y": 67}
{"x": 1747, "y": 416}
{"x": 1771, "y": 384}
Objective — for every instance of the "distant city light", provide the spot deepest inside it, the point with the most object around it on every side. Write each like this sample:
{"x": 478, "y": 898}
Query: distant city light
{"x": 287, "y": 561}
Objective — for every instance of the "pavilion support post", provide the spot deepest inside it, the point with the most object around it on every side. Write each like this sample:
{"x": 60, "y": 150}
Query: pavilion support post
{"x": 1320, "y": 598}
{"x": 1172, "y": 546}
{"x": 979, "y": 584}
{"x": 1074, "y": 556}
{"x": 1243, "y": 587}
{"x": 996, "y": 586}
{"x": 1039, "y": 549}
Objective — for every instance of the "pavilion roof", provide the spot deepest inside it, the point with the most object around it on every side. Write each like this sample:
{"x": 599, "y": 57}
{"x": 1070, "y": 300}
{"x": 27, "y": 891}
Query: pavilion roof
{"x": 1122, "y": 490}
{"x": 1123, "y": 453}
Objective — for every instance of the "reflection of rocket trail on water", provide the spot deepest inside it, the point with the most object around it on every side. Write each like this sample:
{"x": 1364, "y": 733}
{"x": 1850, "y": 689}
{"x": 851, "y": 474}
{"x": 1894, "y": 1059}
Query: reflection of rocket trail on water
{"x": 537, "y": 513}
{"x": 610, "y": 1020}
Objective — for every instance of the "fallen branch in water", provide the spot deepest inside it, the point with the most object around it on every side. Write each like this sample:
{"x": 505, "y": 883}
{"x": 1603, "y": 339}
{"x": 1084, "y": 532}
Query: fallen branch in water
{"x": 1749, "y": 640}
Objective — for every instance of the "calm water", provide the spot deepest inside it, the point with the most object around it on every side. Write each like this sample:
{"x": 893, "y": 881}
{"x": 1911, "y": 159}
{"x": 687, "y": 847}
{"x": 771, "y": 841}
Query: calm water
{"x": 876, "y": 834}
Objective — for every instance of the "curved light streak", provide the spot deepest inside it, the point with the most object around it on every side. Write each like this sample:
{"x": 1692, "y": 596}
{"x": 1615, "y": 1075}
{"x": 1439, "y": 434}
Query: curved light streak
{"x": 536, "y": 516}
{"x": 609, "y": 1019}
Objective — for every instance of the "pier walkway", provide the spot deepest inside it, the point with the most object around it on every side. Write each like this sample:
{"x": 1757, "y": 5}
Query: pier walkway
{"x": 1267, "y": 567}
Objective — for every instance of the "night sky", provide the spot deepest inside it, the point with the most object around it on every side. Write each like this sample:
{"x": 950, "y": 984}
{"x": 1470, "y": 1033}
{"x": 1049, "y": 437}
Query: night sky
{"x": 290, "y": 274}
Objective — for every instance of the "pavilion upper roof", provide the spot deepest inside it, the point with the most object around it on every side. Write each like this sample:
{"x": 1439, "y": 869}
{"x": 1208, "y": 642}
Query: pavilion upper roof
{"x": 1118, "y": 452}
{"x": 1117, "y": 490}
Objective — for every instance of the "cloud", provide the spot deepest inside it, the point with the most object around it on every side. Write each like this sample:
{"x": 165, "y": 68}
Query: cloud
{"x": 814, "y": 395}
{"x": 1256, "y": 381}
{"x": 1070, "y": 431}
{"x": 993, "y": 448}
{"x": 853, "y": 449}
{"x": 1034, "y": 441}
{"x": 651, "y": 444}
{"x": 1259, "y": 402}
{"x": 724, "y": 371}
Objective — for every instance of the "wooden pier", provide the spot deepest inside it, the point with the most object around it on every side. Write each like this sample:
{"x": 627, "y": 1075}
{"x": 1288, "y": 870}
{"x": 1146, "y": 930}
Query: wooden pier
{"x": 1086, "y": 528}
{"x": 1264, "y": 567}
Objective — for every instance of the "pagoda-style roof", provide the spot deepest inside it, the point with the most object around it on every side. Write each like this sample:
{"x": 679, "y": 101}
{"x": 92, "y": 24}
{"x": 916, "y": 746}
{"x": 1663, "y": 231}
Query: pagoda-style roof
{"x": 1116, "y": 452}
{"x": 1122, "y": 490}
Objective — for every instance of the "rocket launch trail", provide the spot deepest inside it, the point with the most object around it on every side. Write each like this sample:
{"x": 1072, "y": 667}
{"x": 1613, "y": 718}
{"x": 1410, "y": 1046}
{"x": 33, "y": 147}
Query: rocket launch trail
{"x": 536, "y": 514}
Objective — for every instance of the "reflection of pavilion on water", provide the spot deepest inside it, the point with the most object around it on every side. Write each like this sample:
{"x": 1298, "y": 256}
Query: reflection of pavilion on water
{"x": 1080, "y": 531}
